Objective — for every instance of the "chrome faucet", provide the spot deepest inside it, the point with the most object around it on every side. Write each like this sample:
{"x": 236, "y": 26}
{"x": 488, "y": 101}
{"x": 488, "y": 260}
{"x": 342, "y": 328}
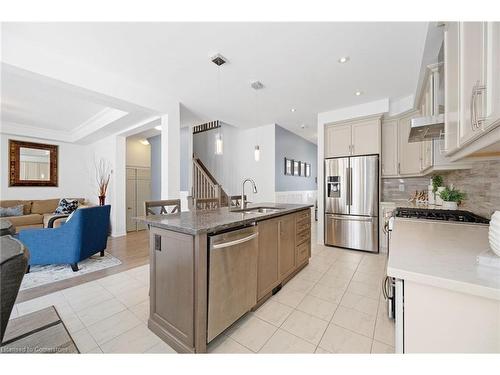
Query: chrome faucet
{"x": 243, "y": 203}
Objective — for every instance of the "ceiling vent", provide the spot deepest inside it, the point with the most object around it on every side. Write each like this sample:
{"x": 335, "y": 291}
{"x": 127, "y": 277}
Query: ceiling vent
{"x": 218, "y": 59}
{"x": 257, "y": 85}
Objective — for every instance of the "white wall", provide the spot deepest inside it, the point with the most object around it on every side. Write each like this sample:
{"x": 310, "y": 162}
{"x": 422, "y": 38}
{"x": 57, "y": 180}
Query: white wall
{"x": 71, "y": 184}
{"x": 138, "y": 155}
{"x": 362, "y": 110}
{"x": 113, "y": 150}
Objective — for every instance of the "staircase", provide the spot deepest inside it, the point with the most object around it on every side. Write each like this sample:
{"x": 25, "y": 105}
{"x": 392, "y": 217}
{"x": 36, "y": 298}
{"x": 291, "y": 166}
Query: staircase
{"x": 205, "y": 185}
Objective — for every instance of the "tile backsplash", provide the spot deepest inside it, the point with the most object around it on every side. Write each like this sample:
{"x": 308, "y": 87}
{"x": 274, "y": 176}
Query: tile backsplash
{"x": 481, "y": 184}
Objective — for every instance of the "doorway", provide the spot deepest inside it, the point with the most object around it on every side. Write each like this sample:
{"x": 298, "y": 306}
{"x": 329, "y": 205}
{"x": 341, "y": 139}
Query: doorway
{"x": 138, "y": 180}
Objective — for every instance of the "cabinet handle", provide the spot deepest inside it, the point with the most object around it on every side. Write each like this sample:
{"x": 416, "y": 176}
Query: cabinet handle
{"x": 399, "y": 168}
{"x": 478, "y": 91}
{"x": 471, "y": 109}
{"x": 352, "y": 149}
{"x": 157, "y": 242}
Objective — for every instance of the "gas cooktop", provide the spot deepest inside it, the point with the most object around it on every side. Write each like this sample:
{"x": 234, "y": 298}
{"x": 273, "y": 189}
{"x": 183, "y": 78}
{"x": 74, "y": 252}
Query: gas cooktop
{"x": 444, "y": 215}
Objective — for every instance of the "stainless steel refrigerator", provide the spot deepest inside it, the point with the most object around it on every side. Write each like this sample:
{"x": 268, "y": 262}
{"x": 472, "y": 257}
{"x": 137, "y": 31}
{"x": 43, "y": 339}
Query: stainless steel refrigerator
{"x": 351, "y": 202}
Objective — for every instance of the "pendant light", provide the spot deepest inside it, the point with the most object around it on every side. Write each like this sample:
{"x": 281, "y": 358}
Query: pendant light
{"x": 257, "y": 85}
{"x": 218, "y": 60}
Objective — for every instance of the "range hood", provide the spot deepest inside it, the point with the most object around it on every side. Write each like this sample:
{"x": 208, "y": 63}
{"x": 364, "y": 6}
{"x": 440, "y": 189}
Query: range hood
{"x": 423, "y": 128}
{"x": 431, "y": 126}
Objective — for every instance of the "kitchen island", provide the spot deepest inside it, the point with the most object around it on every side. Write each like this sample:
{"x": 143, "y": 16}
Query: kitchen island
{"x": 445, "y": 301}
{"x": 199, "y": 284}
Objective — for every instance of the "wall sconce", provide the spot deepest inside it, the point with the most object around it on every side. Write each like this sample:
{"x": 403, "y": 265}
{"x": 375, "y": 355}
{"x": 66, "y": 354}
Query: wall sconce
{"x": 218, "y": 144}
{"x": 257, "y": 153}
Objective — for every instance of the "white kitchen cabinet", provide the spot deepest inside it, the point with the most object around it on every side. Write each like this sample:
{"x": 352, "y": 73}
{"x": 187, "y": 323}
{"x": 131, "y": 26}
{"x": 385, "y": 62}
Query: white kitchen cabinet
{"x": 451, "y": 87}
{"x": 492, "y": 75}
{"x": 471, "y": 65}
{"x": 366, "y": 137}
{"x": 337, "y": 140}
{"x": 356, "y": 137}
{"x": 390, "y": 148}
{"x": 409, "y": 152}
{"x": 472, "y": 88}
{"x": 426, "y": 152}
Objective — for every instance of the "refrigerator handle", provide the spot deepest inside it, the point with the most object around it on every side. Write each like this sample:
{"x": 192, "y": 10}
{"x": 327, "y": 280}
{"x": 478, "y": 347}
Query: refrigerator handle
{"x": 348, "y": 187}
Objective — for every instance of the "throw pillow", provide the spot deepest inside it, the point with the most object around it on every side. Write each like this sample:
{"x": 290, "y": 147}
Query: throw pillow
{"x": 11, "y": 211}
{"x": 66, "y": 206}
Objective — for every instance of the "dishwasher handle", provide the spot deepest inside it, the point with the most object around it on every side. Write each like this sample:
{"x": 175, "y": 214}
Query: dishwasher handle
{"x": 235, "y": 242}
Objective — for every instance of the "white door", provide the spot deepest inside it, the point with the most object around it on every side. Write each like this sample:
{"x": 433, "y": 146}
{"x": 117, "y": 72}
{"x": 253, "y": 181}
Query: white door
{"x": 131, "y": 199}
{"x": 143, "y": 192}
{"x": 138, "y": 191}
{"x": 390, "y": 148}
{"x": 366, "y": 137}
{"x": 409, "y": 153}
{"x": 471, "y": 36}
{"x": 451, "y": 88}
{"x": 337, "y": 140}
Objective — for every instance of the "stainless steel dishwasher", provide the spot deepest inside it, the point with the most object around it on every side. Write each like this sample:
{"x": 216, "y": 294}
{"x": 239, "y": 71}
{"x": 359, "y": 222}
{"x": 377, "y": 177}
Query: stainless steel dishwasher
{"x": 232, "y": 277}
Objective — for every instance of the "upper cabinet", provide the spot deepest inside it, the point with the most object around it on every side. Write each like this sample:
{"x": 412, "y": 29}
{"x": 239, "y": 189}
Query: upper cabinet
{"x": 390, "y": 148}
{"x": 410, "y": 158}
{"x": 337, "y": 140}
{"x": 357, "y": 137}
{"x": 472, "y": 87}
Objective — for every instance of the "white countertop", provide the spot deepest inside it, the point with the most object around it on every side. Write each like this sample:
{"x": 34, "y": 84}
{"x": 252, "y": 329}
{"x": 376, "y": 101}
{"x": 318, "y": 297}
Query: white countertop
{"x": 442, "y": 254}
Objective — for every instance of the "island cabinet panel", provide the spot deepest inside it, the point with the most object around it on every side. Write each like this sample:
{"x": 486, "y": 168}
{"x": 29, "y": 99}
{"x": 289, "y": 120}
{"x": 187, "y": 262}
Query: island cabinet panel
{"x": 172, "y": 287}
{"x": 268, "y": 275}
{"x": 302, "y": 237}
{"x": 287, "y": 245}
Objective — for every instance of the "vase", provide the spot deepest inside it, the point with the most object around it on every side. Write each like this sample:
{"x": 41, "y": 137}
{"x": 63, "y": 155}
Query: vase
{"x": 450, "y": 205}
{"x": 439, "y": 200}
{"x": 494, "y": 233}
{"x": 102, "y": 200}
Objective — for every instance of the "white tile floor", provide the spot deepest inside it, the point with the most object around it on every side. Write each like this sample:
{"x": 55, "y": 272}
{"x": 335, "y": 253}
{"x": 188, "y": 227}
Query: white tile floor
{"x": 334, "y": 305}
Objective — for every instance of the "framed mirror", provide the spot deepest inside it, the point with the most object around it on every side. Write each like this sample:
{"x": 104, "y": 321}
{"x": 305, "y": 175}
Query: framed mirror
{"x": 32, "y": 164}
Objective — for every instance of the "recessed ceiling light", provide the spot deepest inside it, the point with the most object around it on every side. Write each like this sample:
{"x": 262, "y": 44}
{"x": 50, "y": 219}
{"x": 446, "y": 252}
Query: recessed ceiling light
{"x": 358, "y": 93}
{"x": 158, "y": 127}
{"x": 292, "y": 110}
{"x": 343, "y": 59}
{"x": 144, "y": 142}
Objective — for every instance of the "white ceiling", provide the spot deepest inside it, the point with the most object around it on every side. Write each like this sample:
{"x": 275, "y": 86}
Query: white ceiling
{"x": 297, "y": 63}
{"x": 33, "y": 102}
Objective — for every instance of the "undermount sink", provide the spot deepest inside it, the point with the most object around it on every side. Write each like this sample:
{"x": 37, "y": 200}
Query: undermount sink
{"x": 260, "y": 210}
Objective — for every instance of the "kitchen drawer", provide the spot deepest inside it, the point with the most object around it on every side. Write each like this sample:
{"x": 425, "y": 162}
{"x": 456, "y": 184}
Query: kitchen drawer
{"x": 303, "y": 252}
{"x": 303, "y": 225}
{"x": 303, "y": 214}
{"x": 303, "y": 236}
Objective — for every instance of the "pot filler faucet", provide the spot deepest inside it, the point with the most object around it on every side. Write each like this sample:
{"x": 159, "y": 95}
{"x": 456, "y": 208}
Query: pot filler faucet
{"x": 243, "y": 201}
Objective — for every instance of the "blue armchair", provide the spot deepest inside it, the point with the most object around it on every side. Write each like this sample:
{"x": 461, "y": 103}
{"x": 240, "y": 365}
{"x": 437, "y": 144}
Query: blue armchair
{"x": 84, "y": 235}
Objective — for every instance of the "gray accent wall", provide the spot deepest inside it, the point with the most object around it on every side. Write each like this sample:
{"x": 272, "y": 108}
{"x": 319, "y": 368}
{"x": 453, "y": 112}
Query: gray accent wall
{"x": 292, "y": 146}
{"x": 155, "y": 143}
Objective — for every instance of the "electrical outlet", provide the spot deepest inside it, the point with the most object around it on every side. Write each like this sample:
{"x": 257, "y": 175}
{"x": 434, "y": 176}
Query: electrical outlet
{"x": 401, "y": 187}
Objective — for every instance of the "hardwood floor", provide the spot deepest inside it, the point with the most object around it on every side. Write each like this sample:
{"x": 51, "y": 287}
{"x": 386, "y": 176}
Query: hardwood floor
{"x": 131, "y": 249}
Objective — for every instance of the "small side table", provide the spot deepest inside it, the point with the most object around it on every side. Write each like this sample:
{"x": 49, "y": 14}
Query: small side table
{"x": 6, "y": 228}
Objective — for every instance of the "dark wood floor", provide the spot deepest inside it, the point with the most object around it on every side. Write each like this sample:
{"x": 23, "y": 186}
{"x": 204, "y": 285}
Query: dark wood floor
{"x": 131, "y": 249}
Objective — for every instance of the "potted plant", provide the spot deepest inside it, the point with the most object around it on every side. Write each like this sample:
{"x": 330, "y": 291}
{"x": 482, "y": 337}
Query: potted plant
{"x": 451, "y": 197}
{"x": 103, "y": 174}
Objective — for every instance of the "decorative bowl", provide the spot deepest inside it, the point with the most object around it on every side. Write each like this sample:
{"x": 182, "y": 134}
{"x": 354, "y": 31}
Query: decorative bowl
{"x": 494, "y": 233}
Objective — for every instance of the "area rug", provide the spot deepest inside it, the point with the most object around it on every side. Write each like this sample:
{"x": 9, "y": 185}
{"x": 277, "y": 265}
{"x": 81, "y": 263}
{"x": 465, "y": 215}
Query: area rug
{"x": 42, "y": 275}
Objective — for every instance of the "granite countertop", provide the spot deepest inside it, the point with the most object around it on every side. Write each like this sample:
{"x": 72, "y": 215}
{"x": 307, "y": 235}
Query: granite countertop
{"x": 210, "y": 221}
{"x": 443, "y": 254}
